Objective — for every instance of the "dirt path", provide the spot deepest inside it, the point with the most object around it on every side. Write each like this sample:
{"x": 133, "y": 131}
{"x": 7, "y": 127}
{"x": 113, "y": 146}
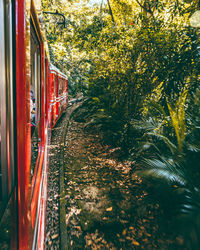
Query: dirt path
{"x": 107, "y": 205}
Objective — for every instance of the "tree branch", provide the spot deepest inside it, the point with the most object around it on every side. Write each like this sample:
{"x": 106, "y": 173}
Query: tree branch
{"x": 148, "y": 10}
{"x": 110, "y": 11}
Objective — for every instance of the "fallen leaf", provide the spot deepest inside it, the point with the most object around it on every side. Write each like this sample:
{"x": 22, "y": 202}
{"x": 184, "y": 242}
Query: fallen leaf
{"x": 109, "y": 209}
{"x": 79, "y": 228}
{"x": 135, "y": 243}
{"x": 124, "y": 232}
{"x": 180, "y": 240}
{"x": 54, "y": 236}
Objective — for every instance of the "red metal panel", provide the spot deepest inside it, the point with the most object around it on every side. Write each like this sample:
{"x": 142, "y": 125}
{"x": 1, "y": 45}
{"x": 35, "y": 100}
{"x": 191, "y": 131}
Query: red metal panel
{"x": 57, "y": 86}
{"x": 41, "y": 229}
{"x": 51, "y": 97}
{"x": 49, "y": 94}
{"x": 50, "y": 80}
{"x": 54, "y": 100}
{"x": 36, "y": 182}
{"x": 23, "y": 123}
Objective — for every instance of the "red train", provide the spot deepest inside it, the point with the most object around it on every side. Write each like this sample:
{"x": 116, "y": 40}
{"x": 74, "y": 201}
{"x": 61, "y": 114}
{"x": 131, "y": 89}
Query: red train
{"x": 33, "y": 96}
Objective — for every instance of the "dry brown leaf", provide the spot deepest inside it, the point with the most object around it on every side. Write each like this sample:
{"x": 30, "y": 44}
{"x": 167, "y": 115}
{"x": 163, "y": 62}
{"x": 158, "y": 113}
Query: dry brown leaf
{"x": 89, "y": 242}
{"x": 124, "y": 232}
{"x": 135, "y": 243}
{"x": 54, "y": 236}
{"x": 109, "y": 209}
{"x": 79, "y": 228}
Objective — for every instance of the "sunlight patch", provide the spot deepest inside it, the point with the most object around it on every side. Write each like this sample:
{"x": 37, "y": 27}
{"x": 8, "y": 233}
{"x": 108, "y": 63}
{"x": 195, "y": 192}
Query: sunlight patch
{"x": 195, "y": 19}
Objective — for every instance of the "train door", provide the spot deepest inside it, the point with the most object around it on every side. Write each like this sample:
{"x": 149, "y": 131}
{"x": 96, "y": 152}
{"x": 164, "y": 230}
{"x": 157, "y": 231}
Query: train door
{"x": 8, "y": 218}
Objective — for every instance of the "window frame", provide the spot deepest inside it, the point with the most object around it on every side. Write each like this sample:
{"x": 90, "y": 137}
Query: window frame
{"x": 8, "y": 181}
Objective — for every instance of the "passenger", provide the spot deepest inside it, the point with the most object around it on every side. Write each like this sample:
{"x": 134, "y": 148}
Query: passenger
{"x": 32, "y": 104}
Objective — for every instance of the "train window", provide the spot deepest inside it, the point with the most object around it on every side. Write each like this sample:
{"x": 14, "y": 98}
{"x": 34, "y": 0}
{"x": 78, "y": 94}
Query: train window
{"x": 60, "y": 85}
{"x": 35, "y": 78}
{"x": 55, "y": 86}
{"x": 7, "y": 173}
{"x": 35, "y": 101}
{"x": 6, "y": 102}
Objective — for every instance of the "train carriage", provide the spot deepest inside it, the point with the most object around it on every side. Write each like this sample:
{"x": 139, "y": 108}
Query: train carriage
{"x": 59, "y": 98}
{"x": 33, "y": 97}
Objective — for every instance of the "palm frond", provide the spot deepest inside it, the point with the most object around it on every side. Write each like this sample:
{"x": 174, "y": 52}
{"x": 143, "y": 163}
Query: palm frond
{"x": 165, "y": 169}
{"x": 193, "y": 147}
{"x": 171, "y": 145}
{"x": 155, "y": 108}
{"x": 178, "y": 118}
{"x": 147, "y": 124}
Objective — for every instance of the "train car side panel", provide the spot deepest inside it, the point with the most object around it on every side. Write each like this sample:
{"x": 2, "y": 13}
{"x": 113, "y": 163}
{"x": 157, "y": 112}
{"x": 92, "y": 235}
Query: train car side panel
{"x": 22, "y": 7}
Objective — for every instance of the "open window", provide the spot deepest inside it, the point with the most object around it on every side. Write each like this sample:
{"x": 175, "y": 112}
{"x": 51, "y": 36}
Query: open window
{"x": 60, "y": 86}
{"x": 35, "y": 95}
{"x": 55, "y": 87}
{"x": 35, "y": 78}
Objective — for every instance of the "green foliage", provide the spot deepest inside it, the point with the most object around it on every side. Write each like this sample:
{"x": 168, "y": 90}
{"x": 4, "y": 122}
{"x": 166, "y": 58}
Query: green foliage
{"x": 174, "y": 159}
{"x": 138, "y": 65}
{"x": 178, "y": 119}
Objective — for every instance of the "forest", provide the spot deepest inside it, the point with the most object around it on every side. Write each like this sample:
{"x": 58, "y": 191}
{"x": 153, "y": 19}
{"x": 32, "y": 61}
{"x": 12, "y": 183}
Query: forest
{"x": 136, "y": 62}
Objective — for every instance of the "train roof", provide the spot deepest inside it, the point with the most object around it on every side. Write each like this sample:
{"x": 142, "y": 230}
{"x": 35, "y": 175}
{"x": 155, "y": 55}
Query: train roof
{"x": 56, "y": 71}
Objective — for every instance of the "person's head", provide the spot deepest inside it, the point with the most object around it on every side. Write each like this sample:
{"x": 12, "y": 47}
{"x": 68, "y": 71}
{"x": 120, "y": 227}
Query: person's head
{"x": 32, "y": 95}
